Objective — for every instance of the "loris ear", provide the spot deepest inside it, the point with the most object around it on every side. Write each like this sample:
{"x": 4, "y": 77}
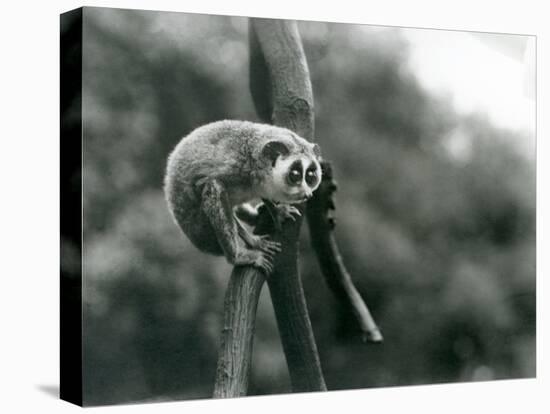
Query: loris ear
{"x": 316, "y": 150}
{"x": 273, "y": 149}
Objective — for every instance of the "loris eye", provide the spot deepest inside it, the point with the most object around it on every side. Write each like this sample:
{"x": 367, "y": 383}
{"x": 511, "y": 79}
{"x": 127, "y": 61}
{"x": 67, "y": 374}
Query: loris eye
{"x": 311, "y": 177}
{"x": 294, "y": 176}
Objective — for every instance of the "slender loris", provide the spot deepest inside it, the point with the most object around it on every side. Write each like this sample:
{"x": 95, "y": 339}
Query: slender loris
{"x": 216, "y": 171}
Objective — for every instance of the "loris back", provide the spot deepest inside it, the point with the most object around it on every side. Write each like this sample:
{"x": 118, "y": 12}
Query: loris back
{"x": 243, "y": 161}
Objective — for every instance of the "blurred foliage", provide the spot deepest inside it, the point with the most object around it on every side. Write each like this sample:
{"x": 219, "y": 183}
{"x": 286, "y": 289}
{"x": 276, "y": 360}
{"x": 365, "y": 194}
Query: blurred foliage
{"x": 435, "y": 216}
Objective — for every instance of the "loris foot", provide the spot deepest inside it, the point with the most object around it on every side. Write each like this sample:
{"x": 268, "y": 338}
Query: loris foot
{"x": 265, "y": 263}
{"x": 264, "y": 243}
{"x": 261, "y": 259}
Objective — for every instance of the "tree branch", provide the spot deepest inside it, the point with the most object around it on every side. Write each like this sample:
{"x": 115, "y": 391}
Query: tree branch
{"x": 321, "y": 225}
{"x": 279, "y": 76}
{"x": 281, "y": 89}
{"x": 241, "y": 302}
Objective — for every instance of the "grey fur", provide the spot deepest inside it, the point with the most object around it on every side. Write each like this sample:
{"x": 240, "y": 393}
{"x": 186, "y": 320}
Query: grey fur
{"x": 220, "y": 166}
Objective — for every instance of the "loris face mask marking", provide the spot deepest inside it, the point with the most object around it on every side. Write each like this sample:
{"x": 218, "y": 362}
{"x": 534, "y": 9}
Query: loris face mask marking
{"x": 301, "y": 178}
{"x": 295, "y": 173}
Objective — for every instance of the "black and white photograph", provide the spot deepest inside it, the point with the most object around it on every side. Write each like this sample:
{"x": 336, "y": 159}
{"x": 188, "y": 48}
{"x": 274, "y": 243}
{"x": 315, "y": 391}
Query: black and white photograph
{"x": 244, "y": 207}
{"x": 275, "y": 206}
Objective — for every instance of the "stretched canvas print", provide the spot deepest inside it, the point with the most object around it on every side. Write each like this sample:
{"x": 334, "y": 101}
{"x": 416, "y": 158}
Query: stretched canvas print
{"x": 259, "y": 206}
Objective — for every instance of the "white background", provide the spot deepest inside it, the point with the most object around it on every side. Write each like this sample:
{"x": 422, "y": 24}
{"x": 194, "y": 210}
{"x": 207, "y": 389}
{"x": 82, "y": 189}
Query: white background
{"x": 29, "y": 219}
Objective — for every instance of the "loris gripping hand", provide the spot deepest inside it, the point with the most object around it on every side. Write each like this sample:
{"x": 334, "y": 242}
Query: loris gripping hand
{"x": 229, "y": 231}
{"x": 220, "y": 166}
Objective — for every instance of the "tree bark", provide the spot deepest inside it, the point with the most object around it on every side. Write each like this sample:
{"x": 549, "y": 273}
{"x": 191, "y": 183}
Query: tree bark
{"x": 234, "y": 361}
{"x": 321, "y": 226}
{"x": 282, "y": 93}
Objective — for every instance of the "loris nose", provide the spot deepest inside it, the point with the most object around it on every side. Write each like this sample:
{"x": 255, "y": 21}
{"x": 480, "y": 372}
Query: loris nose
{"x": 309, "y": 194}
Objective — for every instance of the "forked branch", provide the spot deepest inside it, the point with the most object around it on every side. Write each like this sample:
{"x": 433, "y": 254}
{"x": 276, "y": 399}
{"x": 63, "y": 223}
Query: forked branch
{"x": 282, "y": 94}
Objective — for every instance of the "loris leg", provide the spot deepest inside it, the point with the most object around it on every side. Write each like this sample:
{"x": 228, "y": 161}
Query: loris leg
{"x": 262, "y": 243}
{"x": 216, "y": 206}
{"x": 249, "y": 215}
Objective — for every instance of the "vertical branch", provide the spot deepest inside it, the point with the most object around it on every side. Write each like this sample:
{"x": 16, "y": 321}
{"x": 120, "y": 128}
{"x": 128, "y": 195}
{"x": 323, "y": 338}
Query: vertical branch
{"x": 279, "y": 76}
{"x": 241, "y": 302}
{"x": 281, "y": 89}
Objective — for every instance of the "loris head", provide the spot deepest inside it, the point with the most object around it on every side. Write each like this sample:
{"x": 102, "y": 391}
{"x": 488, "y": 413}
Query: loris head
{"x": 295, "y": 170}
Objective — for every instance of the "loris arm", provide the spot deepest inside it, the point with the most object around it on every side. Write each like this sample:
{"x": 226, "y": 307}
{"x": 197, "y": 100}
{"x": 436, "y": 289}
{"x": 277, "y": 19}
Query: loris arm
{"x": 215, "y": 205}
{"x": 249, "y": 214}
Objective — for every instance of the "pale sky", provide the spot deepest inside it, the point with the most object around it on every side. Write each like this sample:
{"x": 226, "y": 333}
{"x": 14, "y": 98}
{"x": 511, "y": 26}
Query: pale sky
{"x": 489, "y": 73}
